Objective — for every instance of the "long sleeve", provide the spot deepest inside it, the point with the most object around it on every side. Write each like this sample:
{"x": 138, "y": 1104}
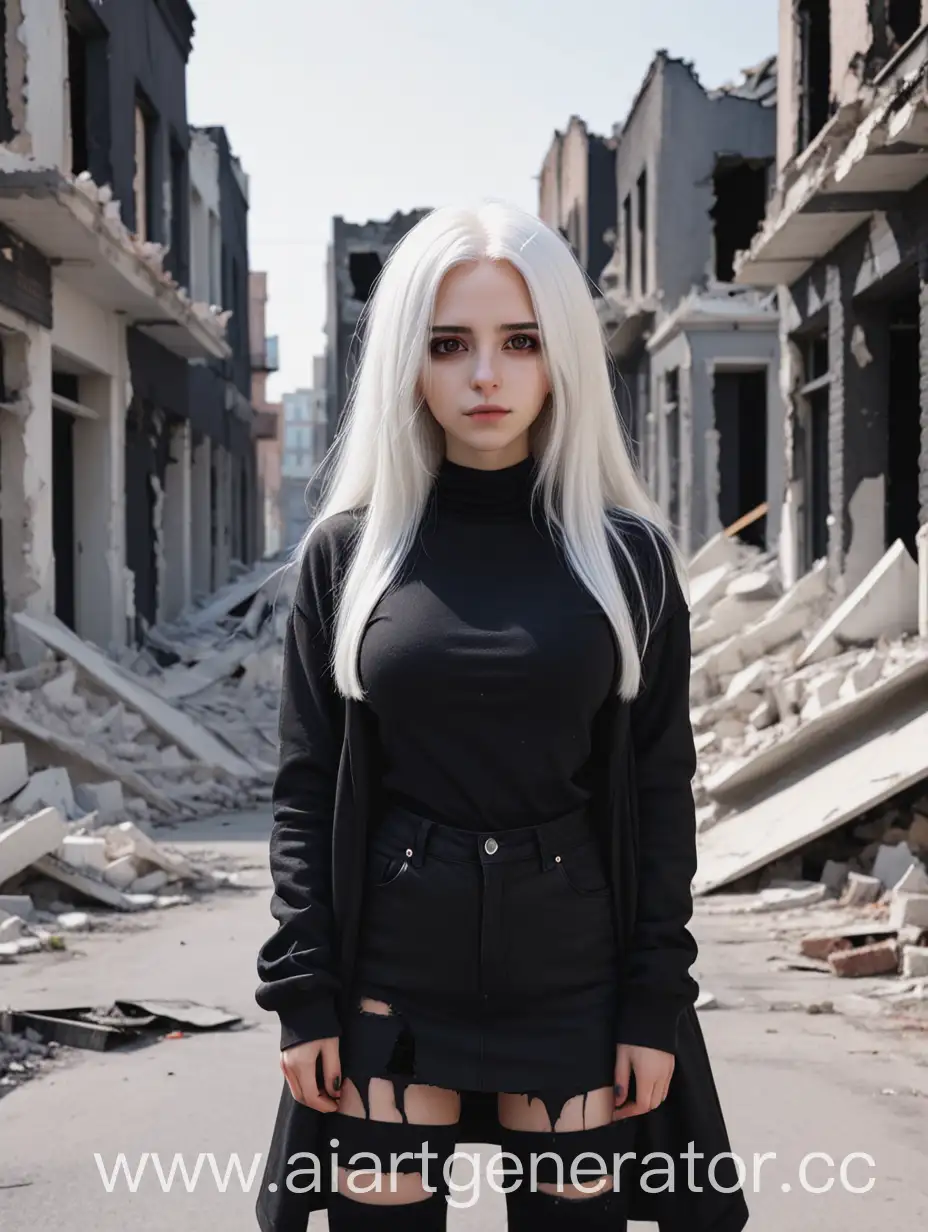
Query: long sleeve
{"x": 657, "y": 984}
{"x": 297, "y": 965}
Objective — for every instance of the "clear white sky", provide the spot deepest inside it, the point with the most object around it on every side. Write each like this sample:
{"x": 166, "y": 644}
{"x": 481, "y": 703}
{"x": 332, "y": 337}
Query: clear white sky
{"x": 363, "y": 107}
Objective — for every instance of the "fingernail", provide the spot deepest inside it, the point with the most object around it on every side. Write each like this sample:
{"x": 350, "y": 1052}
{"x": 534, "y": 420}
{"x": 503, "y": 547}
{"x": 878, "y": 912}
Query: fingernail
{"x": 337, "y": 1082}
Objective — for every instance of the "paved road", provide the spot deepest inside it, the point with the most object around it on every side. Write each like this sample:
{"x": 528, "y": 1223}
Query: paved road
{"x": 791, "y": 1083}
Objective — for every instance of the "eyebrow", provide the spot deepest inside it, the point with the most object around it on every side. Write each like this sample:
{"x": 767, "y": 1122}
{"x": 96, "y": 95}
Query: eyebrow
{"x": 466, "y": 329}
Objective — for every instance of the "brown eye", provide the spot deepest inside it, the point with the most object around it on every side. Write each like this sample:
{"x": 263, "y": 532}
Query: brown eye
{"x": 442, "y": 346}
{"x": 523, "y": 342}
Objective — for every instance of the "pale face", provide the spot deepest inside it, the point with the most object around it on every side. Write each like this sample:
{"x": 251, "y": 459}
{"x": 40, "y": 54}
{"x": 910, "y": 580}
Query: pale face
{"x": 485, "y": 351}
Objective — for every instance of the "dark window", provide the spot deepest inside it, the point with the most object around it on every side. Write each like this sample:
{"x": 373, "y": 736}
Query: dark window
{"x": 363, "y": 269}
{"x": 814, "y": 68}
{"x": 672, "y": 411}
{"x": 146, "y": 197}
{"x": 628, "y": 242}
{"x": 903, "y": 18}
{"x": 643, "y": 231}
{"x": 77, "y": 94}
{"x": 740, "y": 202}
{"x": 178, "y": 219}
{"x": 7, "y": 131}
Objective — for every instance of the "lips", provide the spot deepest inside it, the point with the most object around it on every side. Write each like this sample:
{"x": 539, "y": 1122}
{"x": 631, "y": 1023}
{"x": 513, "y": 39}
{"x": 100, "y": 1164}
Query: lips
{"x": 486, "y": 412}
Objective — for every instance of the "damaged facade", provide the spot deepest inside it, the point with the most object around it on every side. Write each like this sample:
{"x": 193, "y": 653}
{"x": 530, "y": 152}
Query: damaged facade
{"x": 845, "y": 240}
{"x": 697, "y": 356}
{"x": 357, "y": 253}
{"x": 265, "y": 360}
{"x": 97, "y": 439}
{"x": 577, "y": 193}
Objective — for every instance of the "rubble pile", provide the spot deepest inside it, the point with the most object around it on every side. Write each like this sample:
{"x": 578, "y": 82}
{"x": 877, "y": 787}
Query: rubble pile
{"x": 21, "y": 1055}
{"x": 811, "y": 724}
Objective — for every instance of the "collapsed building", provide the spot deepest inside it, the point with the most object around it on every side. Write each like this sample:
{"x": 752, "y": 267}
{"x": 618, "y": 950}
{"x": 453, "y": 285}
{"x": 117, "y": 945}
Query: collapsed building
{"x": 356, "y": 256}
{"x": 111, "y": 499}
{"x": 845, "y": 240}
{"x": 697, "y": 357}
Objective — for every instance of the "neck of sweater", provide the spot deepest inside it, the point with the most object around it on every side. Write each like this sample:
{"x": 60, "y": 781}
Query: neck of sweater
{"x": 468, "y": 491}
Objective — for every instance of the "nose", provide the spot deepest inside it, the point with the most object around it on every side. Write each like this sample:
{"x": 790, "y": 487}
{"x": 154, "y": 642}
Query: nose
{"x": 484, "y": 378}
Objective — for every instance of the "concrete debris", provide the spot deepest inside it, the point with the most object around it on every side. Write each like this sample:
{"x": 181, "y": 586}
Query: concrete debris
{"x": 14, "y": 771}
{"x": 811, "y": 727}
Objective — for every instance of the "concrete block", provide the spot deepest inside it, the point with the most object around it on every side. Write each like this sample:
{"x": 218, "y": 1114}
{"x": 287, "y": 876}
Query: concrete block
{"x": 49, "y": 789}
{"x": 14, "y": 771}
{"x": 719, "y": 550}
{"x": 151, "y": 882}
{"x": 834, "y": 875}
{"x": 885, "y": 604}
{"x": 909, "y": 910}
{"x": 121, "y": 872}
{"x": 892, "y": 863}
{"x": 127, "y": 838}
{"x": 706, "y": 588}
{"x": 17, "y": 904}
{"x": 83, "y": 851}
{"x": 753, "y": 679}
{"x": 914, "y": 961}
{"x": 754, "y": 586}
{"x": 864, "y": 675}
{"x": 104, "y": 799}
{"x": 85, "y": 883}
{"x": 26, "y": 841}
{"x": 59, "y": 691}
{"x": 861, "y": 890}
{"x": 763, "y": 715}
{"x": 11, "y": 927}
{"x": 913, "y": 881}
{"x": 822, "y": 692}
{"x": 74, "y": 921}
{"x": 881, "y": 958}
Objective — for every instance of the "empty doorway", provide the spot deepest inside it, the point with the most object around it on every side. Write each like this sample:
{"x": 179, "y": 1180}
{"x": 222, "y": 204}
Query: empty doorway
{"x": 740, "y": 399}
{"x": 903, "y": 423}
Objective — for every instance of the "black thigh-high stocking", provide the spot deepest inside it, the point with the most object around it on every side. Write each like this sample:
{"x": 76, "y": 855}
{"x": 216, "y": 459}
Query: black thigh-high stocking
{"x": 349, "y": 1215}
{"x": 531, "y": 1210}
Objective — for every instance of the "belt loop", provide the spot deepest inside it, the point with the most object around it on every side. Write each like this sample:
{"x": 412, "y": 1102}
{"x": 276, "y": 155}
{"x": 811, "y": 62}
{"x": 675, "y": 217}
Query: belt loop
{"x": 545, "y": 848}
{"x": 420, "y": 842}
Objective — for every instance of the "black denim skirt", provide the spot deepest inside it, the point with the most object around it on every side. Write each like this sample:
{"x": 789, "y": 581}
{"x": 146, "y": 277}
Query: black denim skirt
{"x": 496, "y": 955}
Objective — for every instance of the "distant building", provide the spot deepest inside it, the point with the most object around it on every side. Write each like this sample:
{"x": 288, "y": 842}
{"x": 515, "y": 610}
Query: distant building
{"x": 577, "y": 193}
{"x": 357, "y": 253}
{"x": 265, "y": 360}
{"x": 304, "y": 446}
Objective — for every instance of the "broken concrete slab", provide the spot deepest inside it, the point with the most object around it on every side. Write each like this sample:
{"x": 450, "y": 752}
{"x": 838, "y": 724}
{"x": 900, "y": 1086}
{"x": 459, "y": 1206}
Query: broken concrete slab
{"x": 892, "y": 863}
{"x": 75, "y": 879}
{"x": 180, "y": 681}
{"x": 49, "y": 788}
{"x": 720, "y": 550}
{"x": 860, "y": 890}
{"x": 22, "y": 843}
{"x": 914, "y": 961}
{"x": 743, "y": 781}
{"x": 17, "y": 904}
{"x": 232, "y": 596}
{"x": 913, "y": 881}
{"x": 127, "y": 839}
{"x": 707, "y": 588}
{"x": 909, "y": 910}
{"x": 122, "y": 872}
{"x": 14, "y": 771}
{"x": 82, "y": 758}
{"x": 164, "y": 718}
{"x": 885, "y": 604}
{"x": 104, "y": 799}
{"x": 83, "y": 851}
{"x": 866, "y": 770}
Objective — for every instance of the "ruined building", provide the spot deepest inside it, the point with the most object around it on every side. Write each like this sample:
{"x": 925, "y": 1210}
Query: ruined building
{"x": 357, "y": 253}
{"x": 846, "y": 240}
{"x": 265, "y": 360}
{"x": 577, "y": 193}
{"x": 697, "y": 357}
{"x": 99, "y": 437}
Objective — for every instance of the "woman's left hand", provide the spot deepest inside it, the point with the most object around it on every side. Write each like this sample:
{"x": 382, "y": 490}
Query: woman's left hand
{"x": 653, "y": 1071}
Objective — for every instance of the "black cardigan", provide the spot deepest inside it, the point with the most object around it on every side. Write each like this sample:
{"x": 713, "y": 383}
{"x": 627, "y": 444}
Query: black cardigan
{"x": 323, "y": 797}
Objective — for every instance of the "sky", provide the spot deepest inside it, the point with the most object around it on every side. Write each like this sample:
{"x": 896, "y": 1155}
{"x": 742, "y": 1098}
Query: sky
{"x": 360, "y": 108}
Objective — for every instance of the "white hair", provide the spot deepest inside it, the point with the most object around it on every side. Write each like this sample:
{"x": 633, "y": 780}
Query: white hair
{"x": 388, "y": 448}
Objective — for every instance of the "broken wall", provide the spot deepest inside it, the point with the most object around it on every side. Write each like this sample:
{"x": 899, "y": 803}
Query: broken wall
{"x": 695, "y": 131}
{"x": 356, "y": 255}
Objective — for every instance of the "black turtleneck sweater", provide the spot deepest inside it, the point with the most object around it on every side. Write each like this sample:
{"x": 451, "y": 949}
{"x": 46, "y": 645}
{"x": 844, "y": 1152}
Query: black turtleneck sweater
{"x": 487, "y": 661}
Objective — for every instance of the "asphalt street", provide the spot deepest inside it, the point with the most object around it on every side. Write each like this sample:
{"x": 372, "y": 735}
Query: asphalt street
{"x": 824, "y": 1088}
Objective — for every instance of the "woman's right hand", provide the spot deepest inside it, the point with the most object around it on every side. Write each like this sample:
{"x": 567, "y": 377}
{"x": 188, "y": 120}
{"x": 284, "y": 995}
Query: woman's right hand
{"x": 300, "y": 1068}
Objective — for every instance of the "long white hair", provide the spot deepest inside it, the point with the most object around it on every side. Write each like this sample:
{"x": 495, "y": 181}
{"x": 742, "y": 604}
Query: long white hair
{"x": 387, "y": 451}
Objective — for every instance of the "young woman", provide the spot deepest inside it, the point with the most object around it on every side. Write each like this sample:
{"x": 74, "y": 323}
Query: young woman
{"x": 477, "y": 891}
